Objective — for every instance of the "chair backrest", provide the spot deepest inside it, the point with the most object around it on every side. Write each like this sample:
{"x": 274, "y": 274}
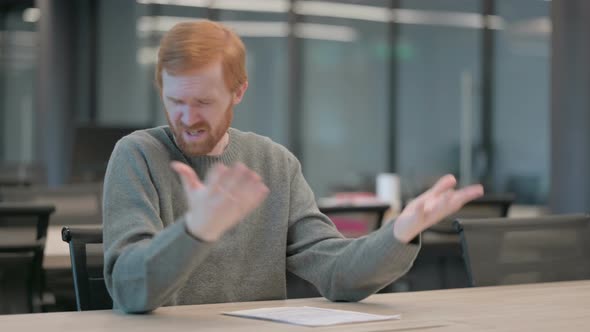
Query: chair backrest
{"x": 355, "y": 221}
{"x": 75, "y": 204}
{"x": 86, "y": 254}
{"x": 490, "y": 206}
{"x": 352, "y": 221}
{"x": 503, "y": 251}
{"x": 23, "y": 232}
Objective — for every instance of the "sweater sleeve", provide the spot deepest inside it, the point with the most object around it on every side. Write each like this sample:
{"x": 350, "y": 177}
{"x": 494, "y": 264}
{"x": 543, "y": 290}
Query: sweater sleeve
{"x": 341, "y": 269}
{"x": 145, "y": 262}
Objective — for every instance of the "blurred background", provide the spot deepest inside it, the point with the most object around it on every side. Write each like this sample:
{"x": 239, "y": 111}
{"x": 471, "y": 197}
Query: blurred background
{"x": 354, "y": 88}
{"x": 492, "y": 91}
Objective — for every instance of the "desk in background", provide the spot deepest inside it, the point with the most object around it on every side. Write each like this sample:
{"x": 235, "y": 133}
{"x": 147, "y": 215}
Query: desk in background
{"x": 534, "y": 307}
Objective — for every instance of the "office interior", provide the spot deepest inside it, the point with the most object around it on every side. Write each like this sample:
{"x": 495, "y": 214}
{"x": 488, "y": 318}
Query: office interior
{"x": 491, "y": 91}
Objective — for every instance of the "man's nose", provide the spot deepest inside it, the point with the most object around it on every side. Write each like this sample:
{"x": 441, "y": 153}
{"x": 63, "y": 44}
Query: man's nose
{"x": 191, "y": 116}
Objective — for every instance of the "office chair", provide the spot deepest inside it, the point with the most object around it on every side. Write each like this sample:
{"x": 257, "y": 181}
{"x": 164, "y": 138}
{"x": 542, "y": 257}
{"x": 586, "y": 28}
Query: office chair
{"x": 87, "y": 267}
{"x": 439, "y": 264}
{"x": 504, "y": 251}
{"x": 489, "y": 206}
{"x": 356, "y": 220}
{"x": 23, "y": 231}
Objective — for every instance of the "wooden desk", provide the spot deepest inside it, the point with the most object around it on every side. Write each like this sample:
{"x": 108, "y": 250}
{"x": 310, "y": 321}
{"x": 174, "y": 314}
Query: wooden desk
{"x": 538, "y": 307}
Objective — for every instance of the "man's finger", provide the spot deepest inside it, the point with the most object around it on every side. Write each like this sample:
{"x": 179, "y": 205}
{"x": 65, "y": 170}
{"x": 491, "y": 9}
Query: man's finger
{"x": 442, "y": 207}
{"x": 420, "y": 211}
{"x": 235, "y": 178}
{"x": 452, "y": 201}
{"x": 217, "y": 172}
{"x": 187, "y": 175}
{"x": 250, "y": 186}
{"x": 258, "y": 194}
{"x": 442, "y": 185}
{"x": 467, "y": 194}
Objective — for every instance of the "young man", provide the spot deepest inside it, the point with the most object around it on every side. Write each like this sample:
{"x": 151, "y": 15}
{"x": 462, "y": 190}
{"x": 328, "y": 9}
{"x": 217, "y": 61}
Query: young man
{"x": 171, "y": 238}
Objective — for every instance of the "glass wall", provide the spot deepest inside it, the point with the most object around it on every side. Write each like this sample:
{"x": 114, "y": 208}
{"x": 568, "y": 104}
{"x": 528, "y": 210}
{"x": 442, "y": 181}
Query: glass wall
{"x": 438, "y": 97}
{"x": 521, "y": 100}
{"x": 129, "y": 34}
{"x": 18, "y": 70}
{"x": 264, "y": 30}
{"x": 346, "y": 86}
{"x": 360, "y": 85}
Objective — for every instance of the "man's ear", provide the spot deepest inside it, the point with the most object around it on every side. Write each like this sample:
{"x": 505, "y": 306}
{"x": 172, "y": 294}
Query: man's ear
{"x": 238, "y": 95}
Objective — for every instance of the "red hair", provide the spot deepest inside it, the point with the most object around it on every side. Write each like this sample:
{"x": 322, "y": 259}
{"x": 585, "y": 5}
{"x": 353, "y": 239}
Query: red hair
{"x": 193, "y": 45}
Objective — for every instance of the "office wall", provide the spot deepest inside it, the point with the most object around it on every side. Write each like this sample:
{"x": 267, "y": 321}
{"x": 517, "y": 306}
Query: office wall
{"x": 122, "y": 87}
{"x": 521, "y": 100}
{"x": 436, "y": 64}
{"x": 18, "y": 54}
{"x": 345, "y": 106}
{"x": 264, "y": 108}
{"x": 355, "y": 77}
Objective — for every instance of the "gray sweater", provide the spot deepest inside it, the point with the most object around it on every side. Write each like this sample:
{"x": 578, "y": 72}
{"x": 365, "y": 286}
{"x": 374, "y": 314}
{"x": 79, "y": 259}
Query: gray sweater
{"x": 151, "y": 260}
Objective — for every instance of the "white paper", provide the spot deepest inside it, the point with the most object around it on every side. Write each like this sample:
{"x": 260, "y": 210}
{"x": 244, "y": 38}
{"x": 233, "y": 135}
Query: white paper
{"x": 310, "y": 316}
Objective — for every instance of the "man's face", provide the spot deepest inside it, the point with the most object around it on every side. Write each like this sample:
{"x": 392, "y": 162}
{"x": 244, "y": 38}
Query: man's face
{"x": 199, "y": 108}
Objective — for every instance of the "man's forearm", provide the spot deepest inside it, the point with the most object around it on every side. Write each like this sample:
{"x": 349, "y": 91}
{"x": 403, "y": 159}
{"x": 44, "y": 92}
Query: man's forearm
{"x": 346, "y": 269}
{"x": 147, "y": 273}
